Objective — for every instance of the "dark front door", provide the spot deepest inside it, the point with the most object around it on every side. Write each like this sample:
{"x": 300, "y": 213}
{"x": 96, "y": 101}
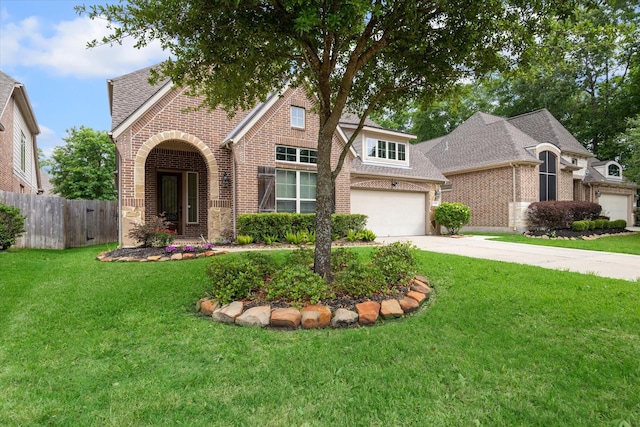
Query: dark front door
{"x": 170, "y": 198}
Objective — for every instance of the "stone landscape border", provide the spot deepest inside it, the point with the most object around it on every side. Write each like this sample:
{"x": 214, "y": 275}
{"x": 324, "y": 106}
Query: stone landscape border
{"x": 103, "y": 257}
{"x": 318, "y": 316}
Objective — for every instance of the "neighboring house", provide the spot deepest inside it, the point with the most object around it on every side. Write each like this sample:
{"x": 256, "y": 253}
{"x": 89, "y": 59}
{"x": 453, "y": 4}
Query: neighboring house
{"x": 498, "y": 166}
{"x": 202, "y": 168}
{"x": 19, "y": 169}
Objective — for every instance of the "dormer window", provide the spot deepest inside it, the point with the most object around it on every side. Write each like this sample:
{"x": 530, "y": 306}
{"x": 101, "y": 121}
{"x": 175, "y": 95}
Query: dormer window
{"x": 613, "y": 170}
{"x": 386, "y": 150}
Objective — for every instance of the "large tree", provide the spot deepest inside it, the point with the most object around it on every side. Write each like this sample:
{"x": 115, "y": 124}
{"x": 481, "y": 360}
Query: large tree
{"x": 84, "y": 167}
{"x": 351, "y": 55}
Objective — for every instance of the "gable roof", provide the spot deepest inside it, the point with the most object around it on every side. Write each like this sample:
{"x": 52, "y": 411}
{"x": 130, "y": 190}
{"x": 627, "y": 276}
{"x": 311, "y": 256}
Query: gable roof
{"x": 129, "y": 93}
{"x": 10, "y": 87}
{"x": 483, "y": 140}
{"x": 543, "y": 127}
{"x": 592, "y": 175}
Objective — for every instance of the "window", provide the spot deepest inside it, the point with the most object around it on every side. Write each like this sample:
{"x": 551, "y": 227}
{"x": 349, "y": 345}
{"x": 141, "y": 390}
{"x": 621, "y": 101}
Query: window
{"x": 297, "y": 117}
{"x": 379, "y": 149}
{"x": 613, "y": 170}
{"x": 295, "y": 191}
{"x": 23, "y": 152}
{"x": 192, "y": 197}
{"x": 547, "y": 176}
{"x": 296, "y": 155}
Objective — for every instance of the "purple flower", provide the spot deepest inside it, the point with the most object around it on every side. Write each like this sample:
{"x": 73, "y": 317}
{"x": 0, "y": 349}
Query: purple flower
{"x": 170, "y": 249}
{"x": 207, "y": 246}
{"x": 188, "y": 248}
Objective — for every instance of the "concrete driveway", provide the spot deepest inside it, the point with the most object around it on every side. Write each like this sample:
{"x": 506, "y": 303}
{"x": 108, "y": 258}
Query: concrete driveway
{"x": 605, "y": 264}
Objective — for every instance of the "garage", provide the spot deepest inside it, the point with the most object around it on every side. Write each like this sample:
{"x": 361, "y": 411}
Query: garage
{"x": 614, "y": 206}
{"x": 395, "y": 213}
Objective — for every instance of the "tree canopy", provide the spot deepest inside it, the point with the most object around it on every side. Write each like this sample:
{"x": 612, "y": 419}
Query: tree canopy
{"x": 84, "y": 167}
{"x": 352, "y": 56}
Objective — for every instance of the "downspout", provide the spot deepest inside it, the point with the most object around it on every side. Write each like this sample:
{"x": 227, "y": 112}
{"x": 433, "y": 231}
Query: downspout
{"x": 233, "y": 190}
{"x": 513, "y": 179}
{"x": 119, "y": 187}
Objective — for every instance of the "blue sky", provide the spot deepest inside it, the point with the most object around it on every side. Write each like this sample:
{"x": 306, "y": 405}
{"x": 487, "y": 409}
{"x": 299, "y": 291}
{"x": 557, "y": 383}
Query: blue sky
{"x": 43, "y": 46}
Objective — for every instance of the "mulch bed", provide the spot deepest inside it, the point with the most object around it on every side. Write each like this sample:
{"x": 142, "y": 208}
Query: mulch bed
{"x": 567, "y": 232}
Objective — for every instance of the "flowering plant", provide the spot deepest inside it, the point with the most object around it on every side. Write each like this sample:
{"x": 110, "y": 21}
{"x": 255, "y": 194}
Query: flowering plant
{"x": 207, "y": 246}
{"x": 188, "y": 248}
{"x": 171, "y": 248}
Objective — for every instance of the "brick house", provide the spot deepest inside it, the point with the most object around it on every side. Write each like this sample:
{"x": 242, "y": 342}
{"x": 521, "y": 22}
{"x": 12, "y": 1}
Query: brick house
{"x": 19, "y": 168}
{"x": 202, "y": 168}
{"x": 498, "y": 166}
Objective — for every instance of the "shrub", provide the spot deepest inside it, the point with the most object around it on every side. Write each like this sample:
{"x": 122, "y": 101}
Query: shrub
{"x": 244, "y": 240}
{"x": 301, "y": 256}
{"x": 342, "y": 258}
{"x": 395, "y": 262}
{"x": 352, "y": 236}
{"x": 619, "y": 223}
{"x": 297, "y": 284}
{"x": 269, "y": 240}
{"x": 233, "y": 278}
{"x": 560, "y": 214}
{"x": 11, "y": 226}
{"x": 153, "y": 233}
{"x": 453, "y": 216}
{"x": 591, "y": 224}
{"x": 359, "y": 280}
{"x": 265, "y": 264}
{"x": 579, "y": 226}
{"x": 602, "y": 224}
{"x": 297, "y": 238}
{"x": 367, "y": 235}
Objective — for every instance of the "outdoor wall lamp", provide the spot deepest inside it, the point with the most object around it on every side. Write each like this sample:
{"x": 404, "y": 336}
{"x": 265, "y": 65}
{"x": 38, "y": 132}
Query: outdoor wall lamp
{"x": 598, "y": 194}
{"x": 226, "y": 181}
{"x": 437, "y": 194}
{"x": 394, "y": 183}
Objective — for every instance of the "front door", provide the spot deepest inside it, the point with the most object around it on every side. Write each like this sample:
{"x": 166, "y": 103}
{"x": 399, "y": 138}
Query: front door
{"x": 170, "y": 198}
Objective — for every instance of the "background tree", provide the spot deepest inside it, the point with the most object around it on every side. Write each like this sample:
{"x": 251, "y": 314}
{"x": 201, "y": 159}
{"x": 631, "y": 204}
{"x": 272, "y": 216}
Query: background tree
{"x": 630, "y": 139}
{"x": 353, "y": 56}
{"x": 84, "y": 167}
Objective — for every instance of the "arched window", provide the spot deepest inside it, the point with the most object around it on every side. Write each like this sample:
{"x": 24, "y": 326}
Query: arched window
{"x": 613, "y": 170}
{"x": 548, "y": 177}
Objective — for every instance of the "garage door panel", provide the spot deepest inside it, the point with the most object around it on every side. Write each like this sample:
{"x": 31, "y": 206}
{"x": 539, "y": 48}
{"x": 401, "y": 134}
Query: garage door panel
{"x": 614, "y": 206}
{"x": 391, "y": 213}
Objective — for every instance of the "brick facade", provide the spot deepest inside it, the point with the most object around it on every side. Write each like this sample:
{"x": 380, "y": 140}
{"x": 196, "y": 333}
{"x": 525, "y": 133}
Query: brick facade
{"x": 170, "y": 138}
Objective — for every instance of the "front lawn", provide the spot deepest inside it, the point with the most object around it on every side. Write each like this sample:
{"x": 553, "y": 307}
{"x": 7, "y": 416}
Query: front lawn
{"x": 627, "y": 244}
{"x": 93, "y": 344}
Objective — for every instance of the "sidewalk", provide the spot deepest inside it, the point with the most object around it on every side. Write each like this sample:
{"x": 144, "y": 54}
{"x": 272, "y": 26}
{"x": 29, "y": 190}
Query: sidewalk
{"x": 605, "y": 264}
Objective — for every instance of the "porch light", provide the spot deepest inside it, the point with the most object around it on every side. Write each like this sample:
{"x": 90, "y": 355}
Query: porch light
{"x": 226, "y": 181}
{"x": 598, "y": 194}
{"x": 394, "y": 183}
{"x": 437, "y": 194}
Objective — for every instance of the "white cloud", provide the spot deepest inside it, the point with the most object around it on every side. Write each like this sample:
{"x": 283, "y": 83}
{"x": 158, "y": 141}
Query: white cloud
{"x": 62, "y": 49}
{"x": 47, "y": 140}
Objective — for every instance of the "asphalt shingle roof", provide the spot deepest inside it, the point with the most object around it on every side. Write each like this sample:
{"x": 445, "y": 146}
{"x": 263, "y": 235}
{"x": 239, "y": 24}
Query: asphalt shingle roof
{"x": 130, "y": 92}
{"x": 7, "y": 84}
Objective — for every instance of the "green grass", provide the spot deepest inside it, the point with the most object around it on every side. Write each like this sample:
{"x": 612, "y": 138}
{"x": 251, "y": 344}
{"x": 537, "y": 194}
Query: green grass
{"x": 98, "y": 344}
{"x": 627, "y": 244}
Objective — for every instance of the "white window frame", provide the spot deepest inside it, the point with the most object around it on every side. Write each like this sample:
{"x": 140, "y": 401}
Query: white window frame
{"x": 619, "y": 176}
{"x": 298, "y": 199}
{"x": 298, "y": 151}
{"x": 297, "y": 115}
{"x": 197, "y": 198}
{"x": 378, "y": 150}
{"x": 23, "y": 152}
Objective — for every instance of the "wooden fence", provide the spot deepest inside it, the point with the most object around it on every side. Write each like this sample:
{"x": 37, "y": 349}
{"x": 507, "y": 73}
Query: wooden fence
{"x": 57, "y": 223}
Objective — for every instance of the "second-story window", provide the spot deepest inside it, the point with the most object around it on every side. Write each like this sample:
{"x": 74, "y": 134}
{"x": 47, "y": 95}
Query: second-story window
{"x": 296, "y": 155}
{"x": 297, "y": 117}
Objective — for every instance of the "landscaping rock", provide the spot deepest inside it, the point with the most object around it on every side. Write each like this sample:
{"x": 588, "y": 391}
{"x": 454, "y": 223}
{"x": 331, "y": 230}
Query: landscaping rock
{"x": 255, "y": 316}
{"x": 315, "y": 316}
{"x": 423, "y": 279}
{"x": 418, "y": 296}
{"x": 176, "y": 257}
{"x": 188, "y": 256}
{"x": 409, "y": 304}
{"x": 286, "y": 318}
{"x": 228, "y": 313}
{"x": 390, "y": 309}
{"x": 207, "y": 306}
{"x": 420, "y": 287}
{"x": 343, "y": 318}
{"x": 368, "y": 312}
{"x": 154, "y": 257}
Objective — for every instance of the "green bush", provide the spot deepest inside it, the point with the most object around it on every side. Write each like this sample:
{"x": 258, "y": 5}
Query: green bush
{"x": 579, "y": 226}
{"x": 395, "y": 262}
{"x": 11, "y": 226}
{"x": 156, "y": 232}
{"x": 453, "y": 216}
{"x": 298, "y": 238}
{"x": 352, "y": 236}
{"x": 342, "y": 258}
{"x": 359, "y": 280}
{"x": 233, "y": 278}
{"x": 367, "y": 235}
{"x": 297, "y": 284}
{"x": 301, "y": 256}
{"x": 602, "y": 224}
{"x": 591, "y": 224}
{"x": 244, "y": 239}
{"x": 277, "y": 225}
{"x": 619, "y": 223}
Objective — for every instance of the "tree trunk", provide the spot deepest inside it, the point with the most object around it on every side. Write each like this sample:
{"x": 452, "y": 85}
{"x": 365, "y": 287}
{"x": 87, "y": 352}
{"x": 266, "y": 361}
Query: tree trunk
{"x": 324, "y": 207}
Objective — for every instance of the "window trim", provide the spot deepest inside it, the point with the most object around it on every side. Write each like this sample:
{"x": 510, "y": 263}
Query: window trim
{"x": 292, "y": 116}
{"x": 197, "y": 198}
{"x": 373, "y": 147}
{"x": 23, "y": 152}
{"x": 617, "y": 166}
{"x": 547, "y": 174}
{"x": 298, "y": 199}
{"x": 298, "y": 155}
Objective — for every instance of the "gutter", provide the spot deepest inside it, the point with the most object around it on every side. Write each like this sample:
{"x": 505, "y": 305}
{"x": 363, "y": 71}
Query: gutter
{"x": 119, "y": 185}
{"x": 513, "y": 176}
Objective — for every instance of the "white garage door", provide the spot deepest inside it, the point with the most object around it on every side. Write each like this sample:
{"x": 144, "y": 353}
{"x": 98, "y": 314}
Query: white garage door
{"x": 614, "y": 206}
{"x": 391, "y": 213}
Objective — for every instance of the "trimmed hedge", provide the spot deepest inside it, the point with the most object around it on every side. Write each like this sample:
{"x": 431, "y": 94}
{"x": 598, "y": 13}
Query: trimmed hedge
{"x": 270, "y": 226}
{"x": 560, "y": 214}
{"x": 598, "y": 224}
